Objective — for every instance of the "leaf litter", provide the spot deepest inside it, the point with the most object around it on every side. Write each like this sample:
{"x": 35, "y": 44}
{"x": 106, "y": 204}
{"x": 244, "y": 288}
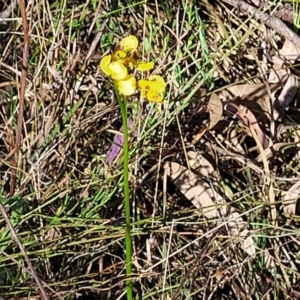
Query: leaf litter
{"x": 251, "y": 107}
{"x": 203, "y": 196}
{"x": 243, "y": 167}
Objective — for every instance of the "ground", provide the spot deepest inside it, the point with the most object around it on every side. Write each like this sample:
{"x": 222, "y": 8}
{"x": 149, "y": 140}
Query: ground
{"x": 213, "y": 168}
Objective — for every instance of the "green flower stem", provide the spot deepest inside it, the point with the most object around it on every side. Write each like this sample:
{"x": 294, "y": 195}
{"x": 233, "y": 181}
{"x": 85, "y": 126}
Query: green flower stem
{"x": 128, "y": 241}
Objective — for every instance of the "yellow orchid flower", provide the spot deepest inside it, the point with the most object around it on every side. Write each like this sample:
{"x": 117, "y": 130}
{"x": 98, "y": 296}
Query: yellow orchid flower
{"x": 125, "y": 56}
{"x": 152, "y": 88}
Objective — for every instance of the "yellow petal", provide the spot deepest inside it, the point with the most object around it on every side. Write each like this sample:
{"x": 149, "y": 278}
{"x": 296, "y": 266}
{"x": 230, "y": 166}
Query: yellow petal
{"x": 154, "y": 96}
{"x": 143, "y": 84}
{"x": 119, "y": 54}
{"x": 158, "y": 79}
{"x": 117, "y": 70}
{"x": 129, "y": 43}
{"x": 127, "y": 86}
{"x": 158, "y": 87}
{"x": 157, "y": 83}
{"x": 145, "y": 66}
{"x": 104, "y": 63}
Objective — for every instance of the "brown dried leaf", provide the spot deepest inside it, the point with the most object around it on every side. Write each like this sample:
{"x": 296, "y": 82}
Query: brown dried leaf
{"x": 248, "y": 243}
{"x": 215, "y": 109}
{"x": 198, "y": 191}
{"x": 200, "y": 164}
{"x": 249, "y": 92}
{"x": 290, "y": 199}
{"x": 253, "y": 96}
{"x": 204, "y": 197}
{"x": 264, "y": 140}
{"x": 289, "y": 51}
{"x": 288, "y": 92}
{"x": 279, "y": 73}
{"x": 248, "y": 118}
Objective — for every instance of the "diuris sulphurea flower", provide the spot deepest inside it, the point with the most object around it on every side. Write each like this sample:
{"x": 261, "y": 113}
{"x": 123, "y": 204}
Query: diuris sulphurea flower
{"x": 124, "y": 58}
{"x": 152, "y": 88}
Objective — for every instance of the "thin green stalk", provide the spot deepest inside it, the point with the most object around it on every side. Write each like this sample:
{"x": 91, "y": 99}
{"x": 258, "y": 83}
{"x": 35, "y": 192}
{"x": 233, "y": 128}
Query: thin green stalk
{"x": 128, "y": 242}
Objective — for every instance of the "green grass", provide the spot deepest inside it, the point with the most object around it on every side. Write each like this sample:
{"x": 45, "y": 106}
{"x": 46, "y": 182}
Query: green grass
{"x": 68, "y": 208}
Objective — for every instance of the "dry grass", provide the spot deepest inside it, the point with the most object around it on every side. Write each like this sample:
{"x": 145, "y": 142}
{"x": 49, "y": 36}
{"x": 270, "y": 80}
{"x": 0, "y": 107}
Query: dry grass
{"x": 67, "y": 209}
